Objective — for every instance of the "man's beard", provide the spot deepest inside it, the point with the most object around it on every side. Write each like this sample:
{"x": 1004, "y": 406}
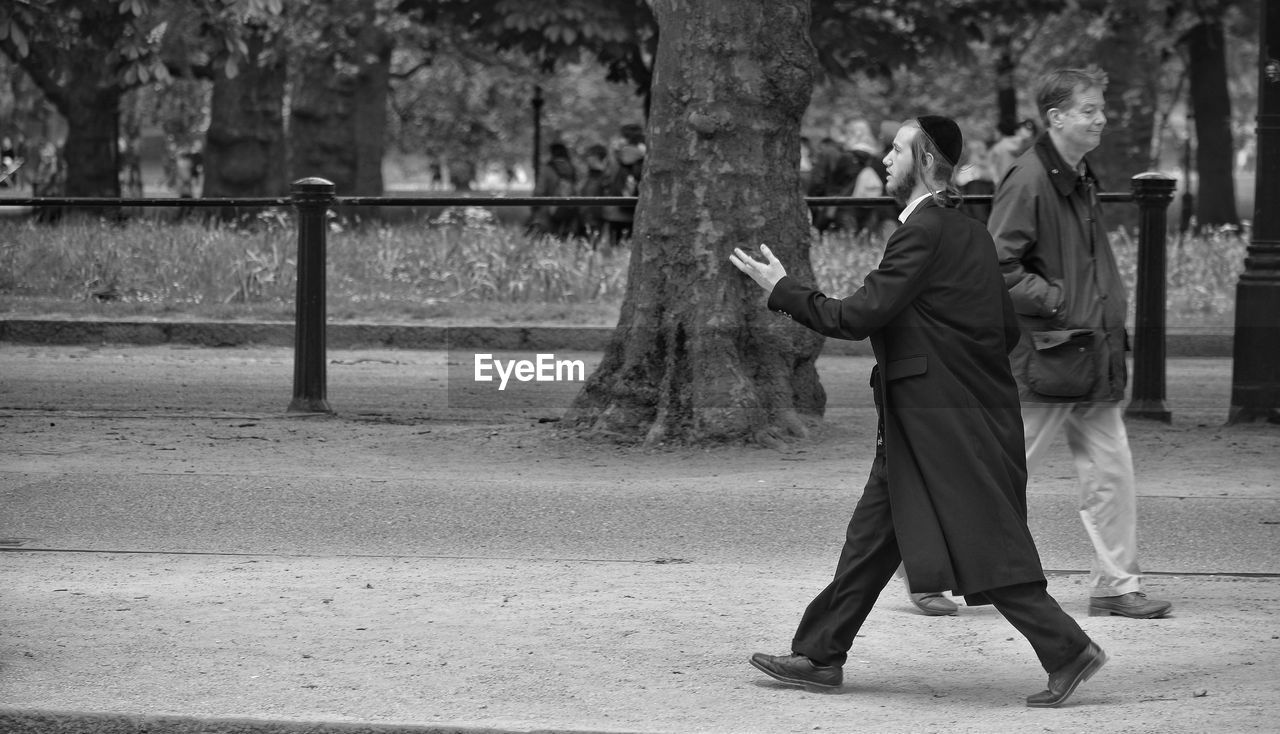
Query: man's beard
{"x": 903, "y": 185}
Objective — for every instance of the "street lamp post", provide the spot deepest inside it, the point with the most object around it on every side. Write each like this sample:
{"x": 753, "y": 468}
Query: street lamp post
{"x": 1255, "y": 379}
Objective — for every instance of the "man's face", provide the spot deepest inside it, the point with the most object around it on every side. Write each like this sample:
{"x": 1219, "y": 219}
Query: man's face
{"x": 901, "y": 164}
{"x": 1082, "y": 122}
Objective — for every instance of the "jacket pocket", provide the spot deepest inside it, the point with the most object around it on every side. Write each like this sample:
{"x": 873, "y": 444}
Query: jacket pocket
{"x": 1064, "y": 364}
{"x": 906, "y": 367}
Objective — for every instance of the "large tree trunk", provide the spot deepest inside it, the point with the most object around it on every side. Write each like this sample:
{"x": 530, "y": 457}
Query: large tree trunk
{"x": 373, "y": 84}
{"x": 338, "y": 119}
{"x": 90, "y": 102}
{"x": 84, "y": 89}
{"x": 1211, "y": 104}
{"x": 696, "y": 357}
{"x": 245, "y": 147}
{"x": 93, "y": 132}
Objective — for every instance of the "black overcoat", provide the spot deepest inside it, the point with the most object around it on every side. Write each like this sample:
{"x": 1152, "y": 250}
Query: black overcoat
{"x": 941, "y": 324}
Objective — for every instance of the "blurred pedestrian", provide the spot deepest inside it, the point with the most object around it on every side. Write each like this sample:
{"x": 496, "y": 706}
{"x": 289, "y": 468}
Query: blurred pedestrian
{"x": 1071, "y": 304}
{"x": 835, "y": 173}
{"x": 10, "y": 162}
{"x": 184, "y": 177}
{"x": 462, "y": 173}
{"x": 1013, "y": 142}
{"x": 868, "y": 184}
{"x": 130, "y": 166}
{"x": 49, "y": 180}
{"x": 947, "y": 490}
{"x": 558, "y": 178}
{"x": 975, "y": 179}
{"x": 184, "y": 173}
{"x": 594, "y": 183}
{"x": 626, "y": 169}
{"x": 806, "y": 164}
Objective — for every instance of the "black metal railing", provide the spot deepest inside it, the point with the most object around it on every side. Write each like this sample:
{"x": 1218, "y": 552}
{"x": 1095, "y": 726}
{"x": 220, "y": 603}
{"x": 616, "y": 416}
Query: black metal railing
{"x": 313, "y": 198}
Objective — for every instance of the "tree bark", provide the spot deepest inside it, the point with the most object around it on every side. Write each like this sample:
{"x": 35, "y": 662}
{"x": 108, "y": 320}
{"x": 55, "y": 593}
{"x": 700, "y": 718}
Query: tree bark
{"x": 83, "y": 88}
{"x": 1211, "y": 104}
{"x": 696, "y": 357}
{"x": 338, "y": 118}
{"x": 90, "y": 102}
{"x": 1132, "y": 64}
{"x": 93, "y": 132}
{"x": 245, "y": 145}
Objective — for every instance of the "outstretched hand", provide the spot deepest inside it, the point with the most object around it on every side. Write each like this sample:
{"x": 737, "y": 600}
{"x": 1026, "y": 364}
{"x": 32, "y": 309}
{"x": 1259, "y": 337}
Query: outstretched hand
{"x": 766, "y": 274}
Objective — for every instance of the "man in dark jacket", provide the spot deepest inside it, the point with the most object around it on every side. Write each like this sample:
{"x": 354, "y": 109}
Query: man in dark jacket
{"x": 947, "y": 490}
{"x": 623, "y": 175}
{"x": 557, "y": 177}
{"x": 1071, "y": 306}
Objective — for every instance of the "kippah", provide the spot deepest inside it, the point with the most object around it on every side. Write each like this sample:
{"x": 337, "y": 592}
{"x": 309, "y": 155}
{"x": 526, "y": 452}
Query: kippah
{"x": 945, "y": 134}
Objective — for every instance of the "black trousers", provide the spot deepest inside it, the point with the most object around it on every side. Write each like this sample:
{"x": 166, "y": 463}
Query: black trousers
{"x": 867, "y": 562}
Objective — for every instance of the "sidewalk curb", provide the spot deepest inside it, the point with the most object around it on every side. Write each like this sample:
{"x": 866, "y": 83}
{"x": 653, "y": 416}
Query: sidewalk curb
{"x": 19, "y": 721}
{"x": 1189, "y": 342}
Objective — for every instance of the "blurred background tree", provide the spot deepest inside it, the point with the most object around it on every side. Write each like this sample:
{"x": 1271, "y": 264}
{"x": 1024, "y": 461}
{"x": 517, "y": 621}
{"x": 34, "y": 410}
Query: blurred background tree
{"x": 273, "y": 90}
{"x": 376, "y": 94}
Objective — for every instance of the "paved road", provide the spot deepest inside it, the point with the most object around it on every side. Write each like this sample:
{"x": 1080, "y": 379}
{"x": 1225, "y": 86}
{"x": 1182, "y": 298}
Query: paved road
{"x": 171, "y": 450}
{"x": 279, "y": 495}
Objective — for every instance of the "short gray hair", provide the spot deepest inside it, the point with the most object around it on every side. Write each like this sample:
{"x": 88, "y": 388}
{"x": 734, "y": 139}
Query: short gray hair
{"x": 1058, "y": 87}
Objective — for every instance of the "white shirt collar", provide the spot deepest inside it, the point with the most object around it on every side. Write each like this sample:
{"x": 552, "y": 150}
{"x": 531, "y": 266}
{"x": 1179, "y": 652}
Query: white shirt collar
{"x": 912, "y": 207}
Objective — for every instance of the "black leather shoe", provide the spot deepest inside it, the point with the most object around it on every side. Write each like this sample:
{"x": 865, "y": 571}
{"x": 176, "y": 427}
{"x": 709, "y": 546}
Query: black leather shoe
{"x": 1063, "y": 681}
{"x": 798, "y": 670}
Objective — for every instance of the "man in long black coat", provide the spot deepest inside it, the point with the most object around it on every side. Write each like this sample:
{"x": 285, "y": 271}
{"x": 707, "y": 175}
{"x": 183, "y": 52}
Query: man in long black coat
{"x": 947, "y": 491}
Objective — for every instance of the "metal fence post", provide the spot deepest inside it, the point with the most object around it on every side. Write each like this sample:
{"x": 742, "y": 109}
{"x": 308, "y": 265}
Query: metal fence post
{"x": 1152, "y": 192}
{"x": 311, "y": 199}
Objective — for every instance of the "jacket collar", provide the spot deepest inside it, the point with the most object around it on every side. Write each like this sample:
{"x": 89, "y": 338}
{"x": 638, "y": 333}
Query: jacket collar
{"x": 916, "y": 205}
{"x": 1065, "y": 178}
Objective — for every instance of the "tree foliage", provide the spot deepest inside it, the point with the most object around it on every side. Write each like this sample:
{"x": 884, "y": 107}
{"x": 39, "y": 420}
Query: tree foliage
{"x": 621, "y": 34}
{"x": 874, "y": 37}
{"x": 342, "y": 53}
{"x": 85, "y": 54}
{"x": 456, "y": 100}
{"x": 463, "y": 71}
{"x": 877, "y": 37}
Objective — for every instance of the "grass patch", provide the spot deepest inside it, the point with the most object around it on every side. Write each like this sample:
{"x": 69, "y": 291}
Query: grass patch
{"x": 463, "y": 267}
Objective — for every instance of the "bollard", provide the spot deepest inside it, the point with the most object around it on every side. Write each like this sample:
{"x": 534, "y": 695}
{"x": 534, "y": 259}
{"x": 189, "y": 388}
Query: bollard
{"x": 1152, "y": 192}
{"x": 311, "y": 198}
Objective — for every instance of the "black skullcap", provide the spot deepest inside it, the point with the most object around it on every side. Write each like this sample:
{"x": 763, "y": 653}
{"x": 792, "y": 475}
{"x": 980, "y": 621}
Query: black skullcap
{"x": 632, "y": 133}
{"x": 945, "y": 134}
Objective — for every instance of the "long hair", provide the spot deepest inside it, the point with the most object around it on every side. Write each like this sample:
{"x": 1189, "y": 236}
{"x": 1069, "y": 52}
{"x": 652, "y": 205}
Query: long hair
{"x": 938, "y": 179}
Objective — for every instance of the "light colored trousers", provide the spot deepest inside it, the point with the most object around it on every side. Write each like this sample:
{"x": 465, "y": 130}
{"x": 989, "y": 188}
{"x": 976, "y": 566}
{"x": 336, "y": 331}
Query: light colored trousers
{"x": 1104, "y": 465}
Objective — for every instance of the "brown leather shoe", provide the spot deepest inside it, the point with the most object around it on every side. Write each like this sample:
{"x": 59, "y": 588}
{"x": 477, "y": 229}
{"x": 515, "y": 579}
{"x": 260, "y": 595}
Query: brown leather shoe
{"x": 1135, "y": 604}
{"x": 799, "y": 670}
{"x": 930, "y": 603}
{"x": 933, "y": 604}
{"x": 1063, "y": 681}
